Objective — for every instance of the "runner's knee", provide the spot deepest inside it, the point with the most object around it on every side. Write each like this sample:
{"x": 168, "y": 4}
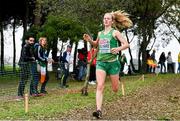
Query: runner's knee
{"x": 115, "y": 88}
{"x": 100, "y": 87}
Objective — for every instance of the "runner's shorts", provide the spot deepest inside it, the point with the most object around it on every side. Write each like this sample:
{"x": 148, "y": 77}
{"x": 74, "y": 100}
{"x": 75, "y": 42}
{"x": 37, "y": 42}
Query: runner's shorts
{"x": 111, "y": 68}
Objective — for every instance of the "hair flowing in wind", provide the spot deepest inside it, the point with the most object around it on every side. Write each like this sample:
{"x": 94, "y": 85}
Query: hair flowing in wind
{"x": 121, "y": 20}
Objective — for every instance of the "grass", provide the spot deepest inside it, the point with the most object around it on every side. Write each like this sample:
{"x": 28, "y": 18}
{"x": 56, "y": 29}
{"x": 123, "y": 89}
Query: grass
{"x": 60, "y": 101}
{"x": 10, "y": 67}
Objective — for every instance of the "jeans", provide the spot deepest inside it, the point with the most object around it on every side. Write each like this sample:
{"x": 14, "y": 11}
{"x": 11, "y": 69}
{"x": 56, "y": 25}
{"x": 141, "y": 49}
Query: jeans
{"x": 82, "y": 70}
{"x": 163, "y": 65}
{"x": 65, "y": 74}
{"x": 34, "y": 79}
{"x": 24, "y": 75}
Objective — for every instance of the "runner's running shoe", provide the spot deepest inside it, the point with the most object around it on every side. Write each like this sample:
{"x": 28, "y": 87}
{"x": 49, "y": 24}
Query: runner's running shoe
{"x": 97, "y": 114}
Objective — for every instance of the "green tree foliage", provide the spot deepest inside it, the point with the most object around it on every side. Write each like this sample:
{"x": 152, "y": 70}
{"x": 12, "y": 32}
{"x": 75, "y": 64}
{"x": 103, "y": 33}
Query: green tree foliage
{"x": 63, "y": 28}
{"x": 172, "y": 19}
{"x": 60, "y": 27}
{"x": 69, "y": 19}
{"x": 145, "y": 14}
{"x": 88, "y": 13}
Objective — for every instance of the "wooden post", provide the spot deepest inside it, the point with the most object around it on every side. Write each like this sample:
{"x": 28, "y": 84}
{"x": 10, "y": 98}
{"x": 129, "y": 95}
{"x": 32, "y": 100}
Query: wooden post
{"x": 122, "y": 88}
{"x": 26, "y": 102}
{"x": 143, "y": 77}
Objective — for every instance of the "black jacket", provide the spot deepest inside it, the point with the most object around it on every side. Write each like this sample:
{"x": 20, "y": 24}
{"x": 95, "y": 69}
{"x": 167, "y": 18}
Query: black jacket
{"x": 27, "y": 53}
{"x": 162, "y": 58}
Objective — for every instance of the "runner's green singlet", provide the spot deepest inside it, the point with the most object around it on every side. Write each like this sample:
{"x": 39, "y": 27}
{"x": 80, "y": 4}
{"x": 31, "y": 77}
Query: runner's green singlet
{"x": 106, "y": 43}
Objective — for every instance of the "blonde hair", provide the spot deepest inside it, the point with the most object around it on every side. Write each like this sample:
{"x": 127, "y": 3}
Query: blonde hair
{"x": 40, "y": 41}
{"x": 121, "y": 20}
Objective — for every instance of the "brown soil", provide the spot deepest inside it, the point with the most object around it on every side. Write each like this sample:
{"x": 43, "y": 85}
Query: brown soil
{"x": 160, "y": 101}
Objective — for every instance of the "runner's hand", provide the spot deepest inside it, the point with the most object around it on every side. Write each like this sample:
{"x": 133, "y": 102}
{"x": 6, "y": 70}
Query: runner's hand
{"x": 115, "y": 50}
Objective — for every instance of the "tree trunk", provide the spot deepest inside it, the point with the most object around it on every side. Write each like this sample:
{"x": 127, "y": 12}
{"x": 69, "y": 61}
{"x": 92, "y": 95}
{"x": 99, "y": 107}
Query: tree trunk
{"x": 131, "y": 58}
{"x": 14, "y": 46}
{"x": 139, "y": 61}
{"x": 75, "y": 53}
{"x": 54, "y": 53}
{"x": 61, "y": 49}
{"x": 54, "y": 50}
{"x": 131, "y": 61}
{"x": 24, "y": 32}
{"x": 146, "y": 35}
{"x": 2, "y": 47}
{"x": 37, "y": 13}
{"x": 25, "y": 21}
{"x": 144, "y": 54}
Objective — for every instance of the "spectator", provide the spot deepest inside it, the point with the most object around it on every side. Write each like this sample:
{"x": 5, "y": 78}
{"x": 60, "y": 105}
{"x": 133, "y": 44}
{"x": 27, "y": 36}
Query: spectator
{"x": 65, "y": 66}
{"x": 162, "y": 60}
{"x": 170, "y": 66}
{"x": 147, "y": 57}
{"x": 43, "y": 60}
{"x": 82, "y": 63}
{"x": 178, "y": 70}
{"x": 92, "y": 76}
{"x": 151, "y": 64}
{"x": 153, "y": 55}
{"x": 27, "y": 64}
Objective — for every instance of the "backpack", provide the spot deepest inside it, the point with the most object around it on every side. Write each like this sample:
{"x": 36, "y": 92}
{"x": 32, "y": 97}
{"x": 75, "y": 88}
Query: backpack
{"x": 36, "y": 45}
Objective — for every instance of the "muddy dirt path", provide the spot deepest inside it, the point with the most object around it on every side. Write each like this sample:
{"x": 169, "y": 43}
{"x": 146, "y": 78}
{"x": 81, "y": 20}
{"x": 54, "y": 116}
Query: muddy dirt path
{"x": 159, "y": 101}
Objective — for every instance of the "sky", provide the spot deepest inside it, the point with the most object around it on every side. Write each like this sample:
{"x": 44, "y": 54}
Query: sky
{"x": 173, "y": 46}
{"x": 8, "y": 46}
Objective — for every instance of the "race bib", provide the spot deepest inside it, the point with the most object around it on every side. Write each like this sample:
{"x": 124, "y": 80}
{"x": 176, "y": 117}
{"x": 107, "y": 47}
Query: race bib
{"x": 104, "y": 46}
